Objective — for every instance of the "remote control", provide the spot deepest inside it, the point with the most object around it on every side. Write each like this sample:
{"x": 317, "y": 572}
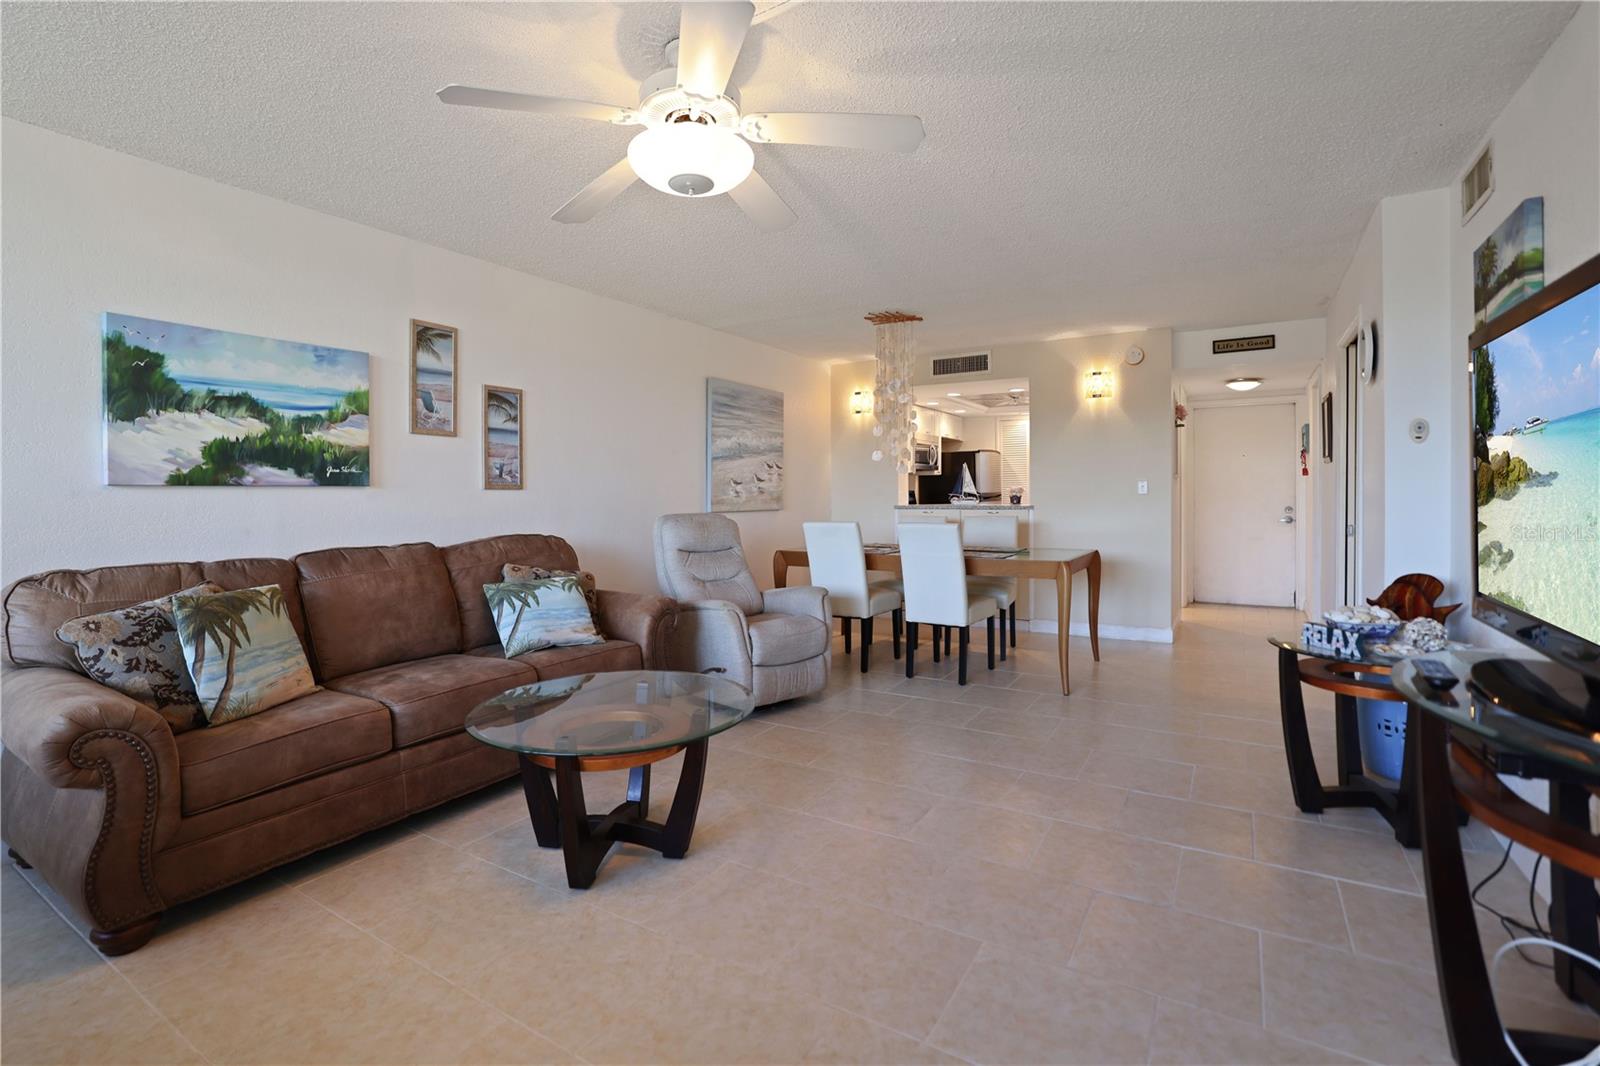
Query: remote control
{"x": 1436, "y": 674}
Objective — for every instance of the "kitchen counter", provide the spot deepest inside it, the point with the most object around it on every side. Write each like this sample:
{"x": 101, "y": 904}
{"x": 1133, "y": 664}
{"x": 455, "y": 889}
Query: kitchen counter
{"x": 963, "y": 507}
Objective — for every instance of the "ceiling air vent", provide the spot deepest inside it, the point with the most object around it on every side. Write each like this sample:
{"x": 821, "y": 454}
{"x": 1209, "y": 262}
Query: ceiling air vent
{"x": 1477, "y": 183}
{"x": 975, "y": 363}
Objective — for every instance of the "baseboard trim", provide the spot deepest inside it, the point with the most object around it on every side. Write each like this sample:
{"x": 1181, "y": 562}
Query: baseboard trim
{"x": 1148, "y": 634}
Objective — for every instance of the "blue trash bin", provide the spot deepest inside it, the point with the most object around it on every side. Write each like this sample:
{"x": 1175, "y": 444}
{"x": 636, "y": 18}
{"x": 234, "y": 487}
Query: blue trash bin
{"x": 1383, "y": 736}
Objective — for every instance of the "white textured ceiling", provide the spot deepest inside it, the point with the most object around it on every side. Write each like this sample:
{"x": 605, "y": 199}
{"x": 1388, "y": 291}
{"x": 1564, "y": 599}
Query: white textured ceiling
{"x": 1087, "y": 166}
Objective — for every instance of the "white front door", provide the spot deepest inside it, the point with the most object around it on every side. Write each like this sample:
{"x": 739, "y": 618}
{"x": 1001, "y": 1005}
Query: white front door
{"x": 1245, "y": 462}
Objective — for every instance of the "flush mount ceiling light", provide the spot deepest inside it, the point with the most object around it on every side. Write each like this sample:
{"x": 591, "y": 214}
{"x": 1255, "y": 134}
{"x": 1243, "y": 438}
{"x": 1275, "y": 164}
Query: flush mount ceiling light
{"x": 696, "y": 142}
{"x": 953, "y": 395}
{"x": 1243, "y": 384}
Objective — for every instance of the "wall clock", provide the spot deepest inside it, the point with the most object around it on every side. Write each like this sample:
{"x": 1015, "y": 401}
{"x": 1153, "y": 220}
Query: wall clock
{"x": 1134, "y": 355}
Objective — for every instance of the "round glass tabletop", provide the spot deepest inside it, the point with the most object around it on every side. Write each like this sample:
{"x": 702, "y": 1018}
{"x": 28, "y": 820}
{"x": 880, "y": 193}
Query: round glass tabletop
{"x": 610, "y": 713}
{"x": 1564, "y": 741}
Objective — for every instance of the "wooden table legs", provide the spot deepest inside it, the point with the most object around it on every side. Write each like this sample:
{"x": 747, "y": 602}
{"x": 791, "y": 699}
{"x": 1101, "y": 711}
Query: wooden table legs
{"x": 562, "y": 820}
{"x": 1355, "y": 788}
{"x": 1064, "y": 614}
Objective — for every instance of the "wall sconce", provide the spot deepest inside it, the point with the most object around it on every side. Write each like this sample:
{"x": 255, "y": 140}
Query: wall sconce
{"x": 1097, "y": 384}
{"x": 860, "y": 402}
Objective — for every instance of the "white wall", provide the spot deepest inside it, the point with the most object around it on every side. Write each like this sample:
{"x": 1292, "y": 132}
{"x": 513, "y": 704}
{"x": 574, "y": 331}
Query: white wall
{"x": 1297, "y": 341}
{"x": 1085, "y": 458}
{"x": 615, "y": 394}
{"x": 1418, "y": 371}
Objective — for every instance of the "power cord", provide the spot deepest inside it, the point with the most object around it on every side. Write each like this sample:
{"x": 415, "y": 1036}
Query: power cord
{"x": 1514, "y": 928}
{"x": 1593, "y": 1057}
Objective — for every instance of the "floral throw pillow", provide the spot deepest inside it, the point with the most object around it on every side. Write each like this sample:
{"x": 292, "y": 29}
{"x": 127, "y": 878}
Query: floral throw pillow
{"x": 135, "y": 650}
{"x": 547, "y": 612}
{"x": 242, "y": 652}
{"x": 518, "y": 572}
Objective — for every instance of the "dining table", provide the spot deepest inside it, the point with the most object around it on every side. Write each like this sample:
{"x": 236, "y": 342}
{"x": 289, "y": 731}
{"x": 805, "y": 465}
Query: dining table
{"x": 1039, "y": 564}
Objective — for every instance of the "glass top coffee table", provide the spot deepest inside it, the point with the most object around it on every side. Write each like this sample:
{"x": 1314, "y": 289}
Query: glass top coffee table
{"x": 610, "y": 721}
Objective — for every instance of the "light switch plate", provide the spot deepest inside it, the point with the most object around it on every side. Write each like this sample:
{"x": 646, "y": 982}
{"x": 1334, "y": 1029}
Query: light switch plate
{"x": 1144, "y": 488}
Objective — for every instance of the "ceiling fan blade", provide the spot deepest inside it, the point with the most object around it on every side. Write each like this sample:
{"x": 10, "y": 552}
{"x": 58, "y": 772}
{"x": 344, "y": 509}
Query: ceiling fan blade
{"x": 598, "y": 193}
{"x": 889, "y": 133}
{"x": 710, "y": 34}
{"x": 756, "y": 198}
{"x": 467, "y": 96}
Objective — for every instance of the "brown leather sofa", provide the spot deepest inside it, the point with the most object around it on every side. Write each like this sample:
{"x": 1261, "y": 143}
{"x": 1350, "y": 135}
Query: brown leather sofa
{"x": 125, "y": 819}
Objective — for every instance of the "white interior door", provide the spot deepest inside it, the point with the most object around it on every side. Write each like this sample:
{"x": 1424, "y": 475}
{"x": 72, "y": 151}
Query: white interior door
{"x": 1245, "y": 462}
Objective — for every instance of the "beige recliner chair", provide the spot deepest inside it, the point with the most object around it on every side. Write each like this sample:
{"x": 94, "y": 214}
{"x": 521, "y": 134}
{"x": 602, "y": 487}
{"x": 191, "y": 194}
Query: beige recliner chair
{"x": 774, "y": 643}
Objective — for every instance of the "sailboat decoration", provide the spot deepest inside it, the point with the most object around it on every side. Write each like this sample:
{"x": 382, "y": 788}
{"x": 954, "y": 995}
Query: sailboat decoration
{"x": 965, "y": 490}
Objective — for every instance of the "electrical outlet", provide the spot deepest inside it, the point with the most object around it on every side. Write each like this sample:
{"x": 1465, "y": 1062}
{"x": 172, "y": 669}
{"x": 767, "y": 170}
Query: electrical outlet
{"x": 1144, "y": 488}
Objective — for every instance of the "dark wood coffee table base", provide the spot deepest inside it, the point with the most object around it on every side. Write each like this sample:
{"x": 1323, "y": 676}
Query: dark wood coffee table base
{"x": 562, "y": 820}
{"x": 1355, "y": 788}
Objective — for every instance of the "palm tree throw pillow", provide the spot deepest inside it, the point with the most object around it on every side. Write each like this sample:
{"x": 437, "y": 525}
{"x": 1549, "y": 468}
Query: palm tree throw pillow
{"x": 242, "y": 652}
{"x": 519, "y": 572}
{"x": 548, "y": 612}
{"x": 135, "y": 650}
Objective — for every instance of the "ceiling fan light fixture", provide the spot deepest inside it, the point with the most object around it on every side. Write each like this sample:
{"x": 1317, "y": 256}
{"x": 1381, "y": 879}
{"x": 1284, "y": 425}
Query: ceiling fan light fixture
{"x": 691, "y": 159}
{"x": 1243, "y": 384}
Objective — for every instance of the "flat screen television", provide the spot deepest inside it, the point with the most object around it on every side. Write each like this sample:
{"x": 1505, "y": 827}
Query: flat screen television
{"x": 1536, "y": 488}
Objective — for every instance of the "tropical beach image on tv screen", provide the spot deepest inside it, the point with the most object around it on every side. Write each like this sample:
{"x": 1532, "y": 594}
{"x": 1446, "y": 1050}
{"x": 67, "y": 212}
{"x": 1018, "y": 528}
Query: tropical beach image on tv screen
{"x": 1536, "y": 394}
{"x": 186, "y": 405}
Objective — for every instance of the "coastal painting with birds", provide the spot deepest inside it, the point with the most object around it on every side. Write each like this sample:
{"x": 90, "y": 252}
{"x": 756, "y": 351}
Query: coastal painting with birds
{"x": 744, "y": 447}
{"x": 188, "y": 405}
{"x": 433, "y": 378}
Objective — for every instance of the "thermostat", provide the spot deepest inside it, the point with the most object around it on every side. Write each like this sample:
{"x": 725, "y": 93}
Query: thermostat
{"x": 1419, "y": 430}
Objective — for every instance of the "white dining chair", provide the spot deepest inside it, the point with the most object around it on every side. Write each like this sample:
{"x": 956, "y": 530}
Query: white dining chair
{"x": 935, "y": 574}
{"x": 995, "y": 531}
{"x": 838, "y": 563}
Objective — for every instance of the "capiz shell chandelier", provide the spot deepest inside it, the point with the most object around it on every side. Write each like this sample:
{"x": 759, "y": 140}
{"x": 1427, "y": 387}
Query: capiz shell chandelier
{"x": 893, "y": 411}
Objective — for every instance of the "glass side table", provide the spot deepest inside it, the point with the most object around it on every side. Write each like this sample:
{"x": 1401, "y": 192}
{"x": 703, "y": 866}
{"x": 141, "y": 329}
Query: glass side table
{"x": 1348, "y": 678}
{"x": 1462, "y": 744}
{"x": 610, "y": 721}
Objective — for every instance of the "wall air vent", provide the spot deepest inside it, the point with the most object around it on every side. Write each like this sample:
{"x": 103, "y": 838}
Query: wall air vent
{"x": 1477, "y": 183}
{"x": 972, "y": 363}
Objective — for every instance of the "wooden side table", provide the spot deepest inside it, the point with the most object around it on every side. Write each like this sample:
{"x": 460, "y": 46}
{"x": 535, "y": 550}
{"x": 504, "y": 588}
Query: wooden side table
{"x": 1300, "y": 664}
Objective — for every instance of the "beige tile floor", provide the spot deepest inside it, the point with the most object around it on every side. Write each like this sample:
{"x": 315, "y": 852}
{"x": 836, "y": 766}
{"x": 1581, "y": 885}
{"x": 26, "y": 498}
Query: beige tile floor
{"x": 893, "y": 872}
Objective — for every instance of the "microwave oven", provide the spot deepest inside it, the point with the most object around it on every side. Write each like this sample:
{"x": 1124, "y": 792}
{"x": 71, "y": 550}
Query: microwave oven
{"x": 925, "y": 457}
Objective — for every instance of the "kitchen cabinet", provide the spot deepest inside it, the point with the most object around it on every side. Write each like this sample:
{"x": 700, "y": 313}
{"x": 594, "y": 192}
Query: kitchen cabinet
{"x": 933, "y": 424}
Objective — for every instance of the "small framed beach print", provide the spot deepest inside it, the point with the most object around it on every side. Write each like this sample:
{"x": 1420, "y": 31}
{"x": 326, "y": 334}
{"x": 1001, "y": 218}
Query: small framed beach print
{"x": 433, "y": 378}
{"x": 502, "y": 437}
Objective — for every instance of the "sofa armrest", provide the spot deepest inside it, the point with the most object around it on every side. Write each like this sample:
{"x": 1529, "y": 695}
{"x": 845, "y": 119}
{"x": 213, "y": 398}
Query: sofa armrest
{"x": 53, "y": 716}
{"x": 809, "y": 600}
{"x": 645, "y": 620}
{"x": 92, "y": 791}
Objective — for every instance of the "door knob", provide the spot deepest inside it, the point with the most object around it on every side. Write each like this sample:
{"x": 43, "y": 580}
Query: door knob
{"x": 1287, "y": 520}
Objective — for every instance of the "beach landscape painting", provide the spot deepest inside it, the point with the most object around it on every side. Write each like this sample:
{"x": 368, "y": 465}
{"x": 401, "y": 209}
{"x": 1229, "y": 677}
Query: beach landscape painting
{"x": 744, "y": 447}
{"x": 433, "y": 378}
{"x": 502, "y": 437}
{"x": 188, "y": 405}
{"x": 1508, "y": 267}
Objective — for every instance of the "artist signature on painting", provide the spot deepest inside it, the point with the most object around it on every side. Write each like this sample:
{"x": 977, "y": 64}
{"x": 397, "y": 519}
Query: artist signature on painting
{"x": 349, "y": 469}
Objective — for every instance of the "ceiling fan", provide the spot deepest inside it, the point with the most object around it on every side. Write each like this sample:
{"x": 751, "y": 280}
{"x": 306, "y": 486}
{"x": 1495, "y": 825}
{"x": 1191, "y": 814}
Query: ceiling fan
{"x": 695, "y": 142}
